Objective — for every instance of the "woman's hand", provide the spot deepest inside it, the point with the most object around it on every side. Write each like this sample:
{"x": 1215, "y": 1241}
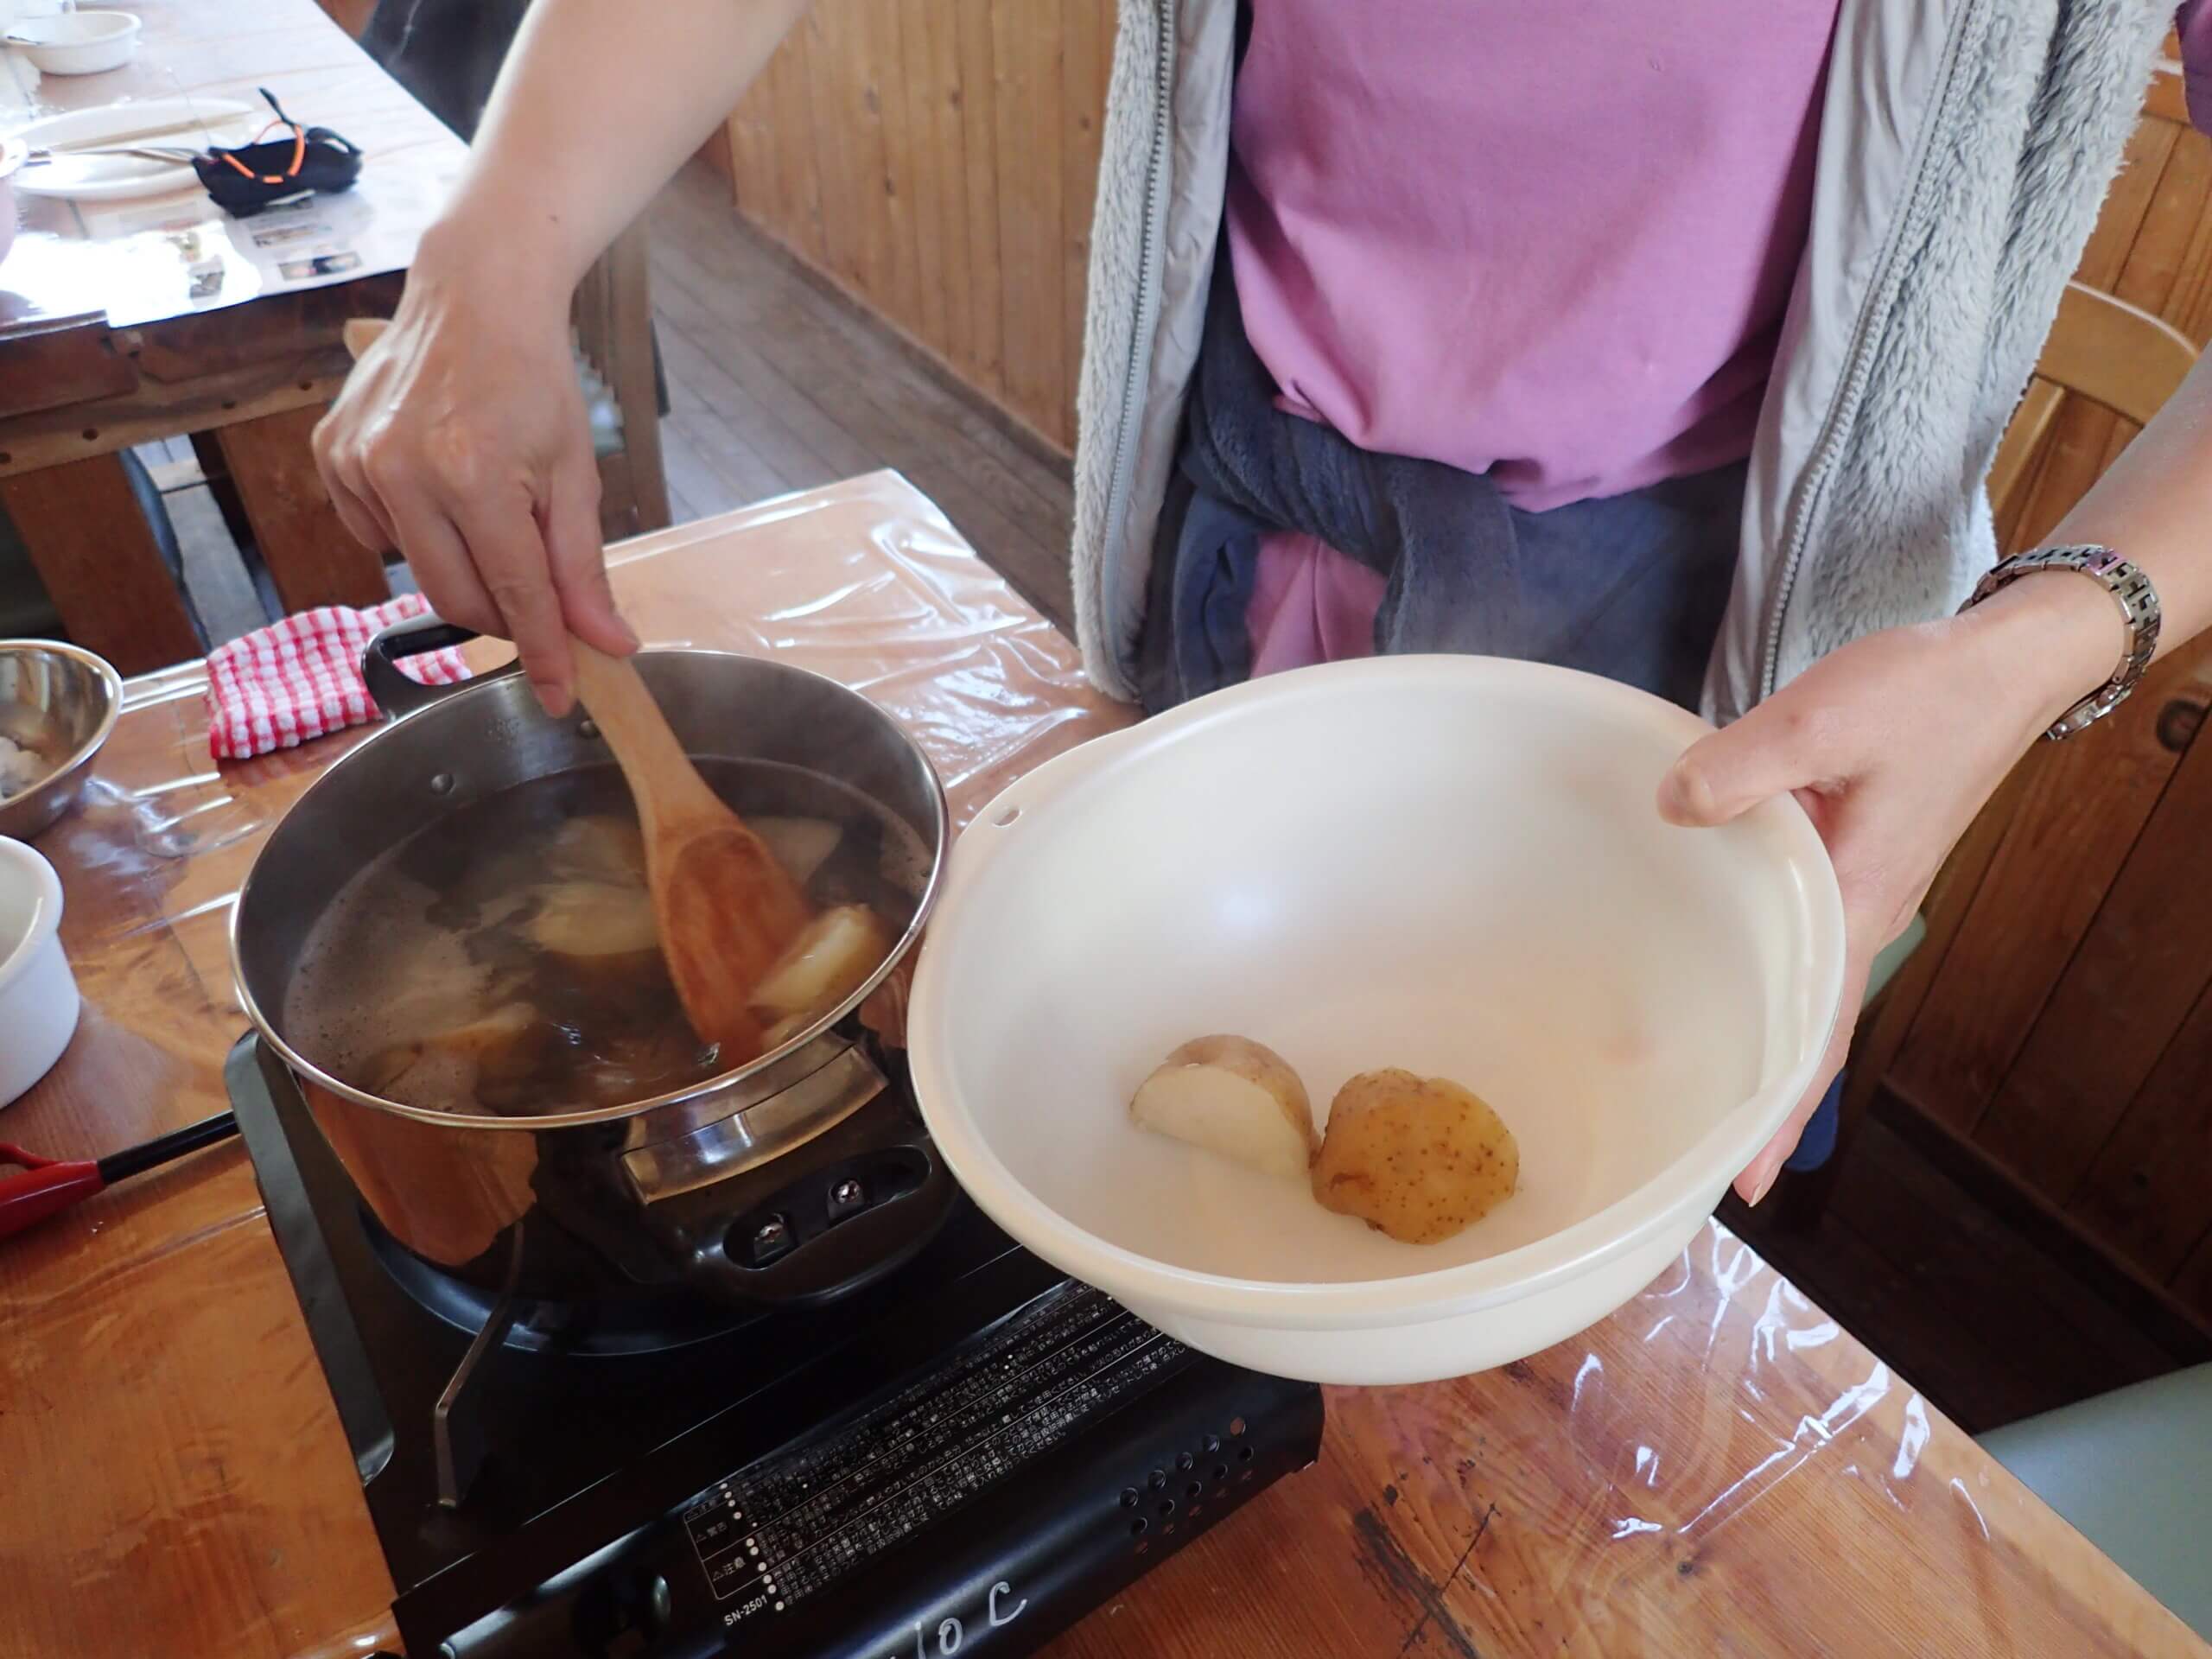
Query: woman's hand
{"x": 1893, "y": 745}
{"x": 460, "y": 440}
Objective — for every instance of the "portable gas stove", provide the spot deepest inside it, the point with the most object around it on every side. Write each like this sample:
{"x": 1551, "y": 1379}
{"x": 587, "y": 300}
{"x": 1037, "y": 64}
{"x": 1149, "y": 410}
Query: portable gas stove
{"x": 965, "y": 1455}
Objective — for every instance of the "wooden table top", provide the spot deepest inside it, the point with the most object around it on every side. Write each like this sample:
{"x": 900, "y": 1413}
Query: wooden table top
{"x": 146, "y": 259}
{"x": 1717, "y": 1469}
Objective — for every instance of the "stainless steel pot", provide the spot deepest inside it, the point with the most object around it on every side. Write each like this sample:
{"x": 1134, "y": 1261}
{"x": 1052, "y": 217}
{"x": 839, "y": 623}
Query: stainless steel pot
{"x": 758, "y": 1186}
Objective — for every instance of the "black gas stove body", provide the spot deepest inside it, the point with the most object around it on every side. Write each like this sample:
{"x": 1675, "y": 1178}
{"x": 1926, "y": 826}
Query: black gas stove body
{"x": 964, "y": 1456}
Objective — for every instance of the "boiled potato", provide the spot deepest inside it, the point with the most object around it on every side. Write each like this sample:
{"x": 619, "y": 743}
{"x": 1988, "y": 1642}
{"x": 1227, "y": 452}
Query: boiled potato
{"x": 1232, "y": 1097}
{"x": 826, "y": 963}
{"x": 588, "y": 919}
{"x": 1416, "y": 1158}
{"x": 800, "y": 845}
{"x": 601, "y": 849}
{"x": 498, "y": 1047}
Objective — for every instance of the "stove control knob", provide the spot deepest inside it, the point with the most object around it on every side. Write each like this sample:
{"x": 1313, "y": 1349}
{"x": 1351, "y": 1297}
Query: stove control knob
{"x": 771, "y": 1239}
{"x": 658, "y": 1606}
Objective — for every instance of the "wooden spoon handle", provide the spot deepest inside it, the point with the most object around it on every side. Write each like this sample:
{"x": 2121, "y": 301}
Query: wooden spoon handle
{"x": 659, "y": 773}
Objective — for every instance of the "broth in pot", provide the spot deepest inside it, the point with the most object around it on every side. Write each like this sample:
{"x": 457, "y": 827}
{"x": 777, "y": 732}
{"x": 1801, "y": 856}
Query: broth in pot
{"x": 504, "y": 959}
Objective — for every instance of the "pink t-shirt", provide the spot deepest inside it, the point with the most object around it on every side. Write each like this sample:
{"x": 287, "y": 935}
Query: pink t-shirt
{"x": 1551, "y": 240}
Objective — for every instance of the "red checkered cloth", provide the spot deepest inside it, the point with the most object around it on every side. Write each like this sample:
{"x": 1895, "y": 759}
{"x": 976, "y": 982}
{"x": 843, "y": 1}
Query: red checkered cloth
{"x": 301, "y": 678}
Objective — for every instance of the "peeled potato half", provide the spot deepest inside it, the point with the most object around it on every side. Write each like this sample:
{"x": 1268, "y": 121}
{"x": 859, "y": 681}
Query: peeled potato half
{"x": 588, "y": 919}
{"x": 800, "y": 845}
{"x": 826, "y": 963}
{"x": 1232, "y": 1097}
{"x": 1417, "y": 1158}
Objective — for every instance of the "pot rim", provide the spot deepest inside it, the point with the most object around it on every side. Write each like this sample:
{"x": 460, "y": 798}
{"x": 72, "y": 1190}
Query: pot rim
{"x": 721, "y": 1083}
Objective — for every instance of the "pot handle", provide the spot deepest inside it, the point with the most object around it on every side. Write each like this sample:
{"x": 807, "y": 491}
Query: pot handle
{"x": 393, "y": 691}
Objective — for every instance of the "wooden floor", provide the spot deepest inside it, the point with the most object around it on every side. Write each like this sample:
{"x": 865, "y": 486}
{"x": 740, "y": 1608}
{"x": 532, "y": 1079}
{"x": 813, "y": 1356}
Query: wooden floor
{"x": 777, "y": 384}
{"x": 1966, "y": 1307}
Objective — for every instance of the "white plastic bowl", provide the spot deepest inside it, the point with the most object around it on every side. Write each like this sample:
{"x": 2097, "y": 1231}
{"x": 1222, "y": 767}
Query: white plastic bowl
{"x": 1453, "y": 865}
{"x": 77, "y": 43}
{"x": 38, "y": 994}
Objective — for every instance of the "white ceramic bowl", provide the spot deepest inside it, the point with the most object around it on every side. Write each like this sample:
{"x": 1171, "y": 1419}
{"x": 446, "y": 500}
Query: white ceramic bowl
{"x": 38, "y": 994}
{"x": 77, "y": 43}
{"x": 13, "y": 151}
{"x": 1453, "y": 865}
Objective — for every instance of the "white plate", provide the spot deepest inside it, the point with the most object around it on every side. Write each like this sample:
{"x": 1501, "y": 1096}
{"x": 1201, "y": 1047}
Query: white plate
{"x": 111, "y": 178}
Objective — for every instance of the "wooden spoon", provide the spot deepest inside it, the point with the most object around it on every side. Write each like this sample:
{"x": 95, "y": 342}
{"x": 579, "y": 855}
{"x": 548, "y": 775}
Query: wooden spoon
{"x": 726, "y": 910}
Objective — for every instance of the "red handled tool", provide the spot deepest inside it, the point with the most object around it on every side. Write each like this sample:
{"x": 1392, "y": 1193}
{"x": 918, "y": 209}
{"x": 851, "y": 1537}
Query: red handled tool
{"x": 47, "y": 1186}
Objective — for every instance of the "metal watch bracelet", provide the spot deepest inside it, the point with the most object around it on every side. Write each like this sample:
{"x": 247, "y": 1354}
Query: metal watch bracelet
{"x": 2138, "y": 607}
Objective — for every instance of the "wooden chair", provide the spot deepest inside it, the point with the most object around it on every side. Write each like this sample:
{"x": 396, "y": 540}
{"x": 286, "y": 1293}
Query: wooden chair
{"x": 2103, "y": 349}
{"x": 2128, "y": 361}
{"x": 614, "y": 335}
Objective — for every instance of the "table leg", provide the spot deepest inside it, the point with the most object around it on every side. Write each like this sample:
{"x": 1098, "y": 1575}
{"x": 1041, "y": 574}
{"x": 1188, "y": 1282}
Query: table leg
{"x": 90, "y": 541}
{"x": 215, "y": 472}
{"x": 311, "y": 556}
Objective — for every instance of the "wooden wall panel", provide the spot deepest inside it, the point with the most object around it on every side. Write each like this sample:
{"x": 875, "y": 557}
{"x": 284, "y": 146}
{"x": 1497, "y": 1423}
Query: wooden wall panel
{"x": 2148, "y": 1193}
{"x": 1026, "y": 48}
{"x": 832, "y": 37}
{"x": 2079, "y": 808}
{"x": 1086, "y": 31}
{"x": 2138, "y": 970}
{"x": 939, "y": 162}
{"x": 2066, "y": 1030}
{"x": 2195, "y": 1280}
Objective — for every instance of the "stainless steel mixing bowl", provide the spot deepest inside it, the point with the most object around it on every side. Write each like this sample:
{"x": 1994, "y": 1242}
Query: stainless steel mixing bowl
{"x": 61, "y": 702}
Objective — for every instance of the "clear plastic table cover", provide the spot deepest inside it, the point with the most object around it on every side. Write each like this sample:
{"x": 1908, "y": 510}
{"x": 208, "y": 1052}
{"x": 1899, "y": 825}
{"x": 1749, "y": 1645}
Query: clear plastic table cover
{"x": 1716, "y": 1469}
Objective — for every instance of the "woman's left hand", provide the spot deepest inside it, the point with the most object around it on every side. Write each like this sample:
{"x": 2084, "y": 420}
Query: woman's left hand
{"x": 1891, "y": 745}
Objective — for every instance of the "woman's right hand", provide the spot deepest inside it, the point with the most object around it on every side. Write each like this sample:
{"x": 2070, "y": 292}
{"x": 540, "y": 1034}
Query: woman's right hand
{"x": 460, "y": 439}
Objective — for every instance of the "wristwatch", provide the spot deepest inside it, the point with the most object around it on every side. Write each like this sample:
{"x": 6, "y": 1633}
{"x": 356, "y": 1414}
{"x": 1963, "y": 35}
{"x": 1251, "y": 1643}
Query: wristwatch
{"x": 2138, "y": 607}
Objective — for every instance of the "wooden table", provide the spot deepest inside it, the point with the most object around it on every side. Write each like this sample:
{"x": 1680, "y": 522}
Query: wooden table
{"x": 161, "y": 315}
{"x": 1717, "y": 1469}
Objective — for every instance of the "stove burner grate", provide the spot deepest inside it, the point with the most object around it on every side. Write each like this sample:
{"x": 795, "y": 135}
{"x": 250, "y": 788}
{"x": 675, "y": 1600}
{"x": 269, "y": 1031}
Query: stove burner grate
{"x": 654, "y": 1321}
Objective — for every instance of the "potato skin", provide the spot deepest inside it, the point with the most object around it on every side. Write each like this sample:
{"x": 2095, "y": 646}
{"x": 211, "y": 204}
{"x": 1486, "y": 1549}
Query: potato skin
{"x": 1420, "y": 1159}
